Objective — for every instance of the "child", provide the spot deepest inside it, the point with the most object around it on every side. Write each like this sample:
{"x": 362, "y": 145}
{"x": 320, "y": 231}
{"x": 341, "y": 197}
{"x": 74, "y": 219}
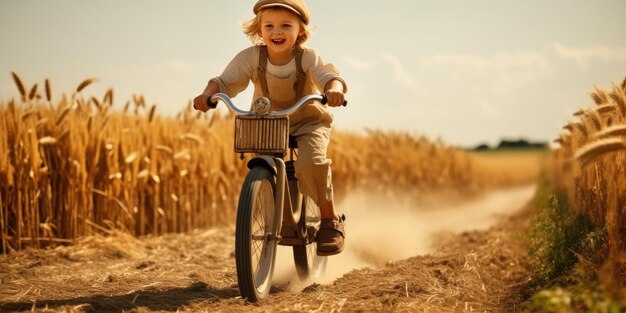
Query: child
{"x": 284, "y": 71}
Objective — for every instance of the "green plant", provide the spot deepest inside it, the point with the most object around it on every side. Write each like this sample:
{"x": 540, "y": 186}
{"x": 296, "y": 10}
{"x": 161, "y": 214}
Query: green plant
{"x": 550, "y": 300}
{"x": 565, "y": 252}
{"x": 560, "y": 235}
{"x": 583, "y": 297}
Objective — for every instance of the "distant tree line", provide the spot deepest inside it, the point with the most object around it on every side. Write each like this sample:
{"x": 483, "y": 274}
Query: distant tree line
{"x": 513, "y": 144}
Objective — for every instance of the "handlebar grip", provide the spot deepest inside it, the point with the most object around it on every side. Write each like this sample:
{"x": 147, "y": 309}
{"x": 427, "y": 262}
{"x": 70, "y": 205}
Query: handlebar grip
{"x": 210, "y": 103}
{"x": 325, "y": 100}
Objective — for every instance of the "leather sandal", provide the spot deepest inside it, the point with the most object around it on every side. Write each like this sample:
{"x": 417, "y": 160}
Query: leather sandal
{"x": 331, "y": 235}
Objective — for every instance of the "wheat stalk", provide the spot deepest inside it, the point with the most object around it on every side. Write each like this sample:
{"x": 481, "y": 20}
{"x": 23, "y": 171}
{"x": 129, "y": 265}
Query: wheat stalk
{"x": 108, "y": 97}
{"x": 89, "y": 123}
{"x": 105, "y": 121}
{"x": 64, "y": 134}
{"x": 581, "y": 128}
{"x": 562, "y": 139}
{"x": 605, "y": 108}
{"x": 164, "y": 148}
{"x": 593, "y": 118}
{"x": 3, "y": 231}
{"x": 20, "y": 85}
{"x": 48, "y": 90}
{"x": 131, "y": 157}
{"x": 613, "y": 131}
{"x": 139, "y": 101}
{"x": 619, "y": 97}
{"x": 193, "y": 137}
{"x": 28, "y": 114}
{"x": 152, "y": 112}
{"x": 211, "y": 120}
{"x": 570, "y": 126}
{"x": 96, "y": 102}
{"x": 84, "y": 84}
{"x": 41, "y": 123}
{"x": 33, "y": 92}
{"x": 599, "y": 96}
{"x": 62, "y": 116}
{"x": 593, "y": 150}
{"x": 48, "y": 140}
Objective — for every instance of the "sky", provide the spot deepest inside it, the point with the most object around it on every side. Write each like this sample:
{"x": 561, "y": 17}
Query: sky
{"x": 466, "y": 72}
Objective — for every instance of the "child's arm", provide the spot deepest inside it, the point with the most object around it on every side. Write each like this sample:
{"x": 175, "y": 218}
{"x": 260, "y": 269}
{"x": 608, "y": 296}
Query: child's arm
{"x": 232, "y": 81}
{"x": 201, "y": 102}
{"x": 324, "y": 76}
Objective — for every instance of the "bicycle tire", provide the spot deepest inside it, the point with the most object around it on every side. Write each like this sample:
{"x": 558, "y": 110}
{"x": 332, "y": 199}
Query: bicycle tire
{"x": 255, "y": 250}
{"x": 309, "y": 265}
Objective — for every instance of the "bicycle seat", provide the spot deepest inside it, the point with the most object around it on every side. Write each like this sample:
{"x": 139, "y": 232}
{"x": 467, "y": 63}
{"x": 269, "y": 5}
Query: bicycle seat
{"x": 293, "y": 143}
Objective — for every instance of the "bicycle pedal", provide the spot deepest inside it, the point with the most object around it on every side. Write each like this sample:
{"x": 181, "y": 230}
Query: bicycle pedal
{"x": 293, "y": 242}
{"x": 311, "y": 232}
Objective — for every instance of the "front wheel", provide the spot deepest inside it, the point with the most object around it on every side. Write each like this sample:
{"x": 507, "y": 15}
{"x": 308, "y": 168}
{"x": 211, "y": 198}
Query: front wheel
{"x": 308, "y": 263}
{"x": 255, "y": 245}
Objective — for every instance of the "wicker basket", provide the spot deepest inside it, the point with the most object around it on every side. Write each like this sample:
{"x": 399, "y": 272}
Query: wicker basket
{"x": 261, "y": 134}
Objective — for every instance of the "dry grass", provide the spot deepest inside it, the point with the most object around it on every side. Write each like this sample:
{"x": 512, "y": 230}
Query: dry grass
{"x": 118, "y": 272}
{"x": 479, "y": 271}
{"x": 591, "y": 167}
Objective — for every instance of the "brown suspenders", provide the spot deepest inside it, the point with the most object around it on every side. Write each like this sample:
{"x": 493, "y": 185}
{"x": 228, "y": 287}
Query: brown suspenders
{"x": 261, "y": 69}
{"x": 300, "y": 75}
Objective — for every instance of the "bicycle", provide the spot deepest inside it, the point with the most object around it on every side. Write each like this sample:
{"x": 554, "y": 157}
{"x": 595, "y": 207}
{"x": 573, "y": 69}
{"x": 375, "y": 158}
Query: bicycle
{"x": 270, "y": 202}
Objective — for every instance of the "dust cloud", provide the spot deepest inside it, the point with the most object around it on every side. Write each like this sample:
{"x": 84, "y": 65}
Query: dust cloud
{"x": 383, "y": 229}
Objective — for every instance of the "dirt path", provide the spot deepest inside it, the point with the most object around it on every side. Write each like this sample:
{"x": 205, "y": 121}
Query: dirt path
{"x": 470, "y": 258}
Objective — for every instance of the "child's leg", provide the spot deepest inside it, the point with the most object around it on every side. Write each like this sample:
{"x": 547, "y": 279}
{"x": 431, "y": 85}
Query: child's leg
{"x": 315, "y": 180}
{"x": 327, "y": 210}
{"x": 313, "y": 169}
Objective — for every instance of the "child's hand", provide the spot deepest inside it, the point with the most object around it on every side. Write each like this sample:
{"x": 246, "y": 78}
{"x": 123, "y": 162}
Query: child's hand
{"x": 334, "y": 98}
{"x": 201, "y": 102}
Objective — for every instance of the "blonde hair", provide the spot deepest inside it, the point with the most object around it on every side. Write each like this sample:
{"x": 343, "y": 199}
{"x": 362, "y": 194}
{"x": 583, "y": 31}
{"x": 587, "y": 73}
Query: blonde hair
{"x": 252, "y": 28}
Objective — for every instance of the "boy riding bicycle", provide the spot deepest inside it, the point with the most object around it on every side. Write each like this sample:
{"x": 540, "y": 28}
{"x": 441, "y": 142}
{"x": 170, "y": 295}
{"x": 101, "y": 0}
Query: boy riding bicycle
{"x": 282, "y": 70}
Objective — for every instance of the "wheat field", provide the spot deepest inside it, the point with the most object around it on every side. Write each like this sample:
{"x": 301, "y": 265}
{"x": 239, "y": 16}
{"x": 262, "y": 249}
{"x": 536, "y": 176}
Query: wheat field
{"x": 75, "y": 165}
{"x": 590, "y": 165}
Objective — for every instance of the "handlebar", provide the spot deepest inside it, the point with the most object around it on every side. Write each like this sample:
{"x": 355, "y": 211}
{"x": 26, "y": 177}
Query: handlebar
{"x": 226, "y": 99}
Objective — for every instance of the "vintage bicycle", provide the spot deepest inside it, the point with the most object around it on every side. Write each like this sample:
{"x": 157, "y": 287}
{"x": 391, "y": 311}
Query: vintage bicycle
{"x": 270, "y": 202}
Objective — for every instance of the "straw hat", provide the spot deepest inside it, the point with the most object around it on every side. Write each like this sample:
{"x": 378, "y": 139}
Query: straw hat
{"x": 296, "y": 6}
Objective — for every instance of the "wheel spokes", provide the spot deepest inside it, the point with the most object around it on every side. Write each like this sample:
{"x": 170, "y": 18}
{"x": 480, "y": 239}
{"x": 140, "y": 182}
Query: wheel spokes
{"x": 260, "y": 247}
{"x": 258, "y": 235}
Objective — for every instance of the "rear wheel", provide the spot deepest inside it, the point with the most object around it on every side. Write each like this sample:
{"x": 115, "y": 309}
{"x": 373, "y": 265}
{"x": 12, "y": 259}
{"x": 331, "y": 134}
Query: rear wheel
{"x": 308, "y": 263}
{"x": 255, "y": 245}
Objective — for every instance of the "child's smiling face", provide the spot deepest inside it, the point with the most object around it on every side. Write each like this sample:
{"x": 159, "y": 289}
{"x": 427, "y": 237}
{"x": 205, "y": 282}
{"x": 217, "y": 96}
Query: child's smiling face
{"x": 280, "y": 30}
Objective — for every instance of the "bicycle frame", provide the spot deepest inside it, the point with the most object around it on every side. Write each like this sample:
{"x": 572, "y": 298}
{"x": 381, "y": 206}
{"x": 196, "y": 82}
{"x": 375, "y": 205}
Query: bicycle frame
{"x": 287, "y": 208}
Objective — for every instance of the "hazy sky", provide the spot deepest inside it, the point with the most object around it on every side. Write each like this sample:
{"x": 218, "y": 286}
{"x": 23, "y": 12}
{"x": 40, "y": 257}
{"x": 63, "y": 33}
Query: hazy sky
{"x": 466, "y": 71}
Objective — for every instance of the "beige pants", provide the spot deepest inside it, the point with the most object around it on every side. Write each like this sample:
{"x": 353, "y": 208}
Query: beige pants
{"x": 312, "y": 166}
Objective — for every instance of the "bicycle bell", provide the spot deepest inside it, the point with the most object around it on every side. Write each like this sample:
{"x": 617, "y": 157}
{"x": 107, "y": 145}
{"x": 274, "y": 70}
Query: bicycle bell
{"x": 261, "y": 106}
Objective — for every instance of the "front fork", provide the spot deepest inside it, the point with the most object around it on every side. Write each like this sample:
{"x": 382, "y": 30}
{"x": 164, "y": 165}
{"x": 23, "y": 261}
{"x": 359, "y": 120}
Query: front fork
{"x": 287, "y": 198}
